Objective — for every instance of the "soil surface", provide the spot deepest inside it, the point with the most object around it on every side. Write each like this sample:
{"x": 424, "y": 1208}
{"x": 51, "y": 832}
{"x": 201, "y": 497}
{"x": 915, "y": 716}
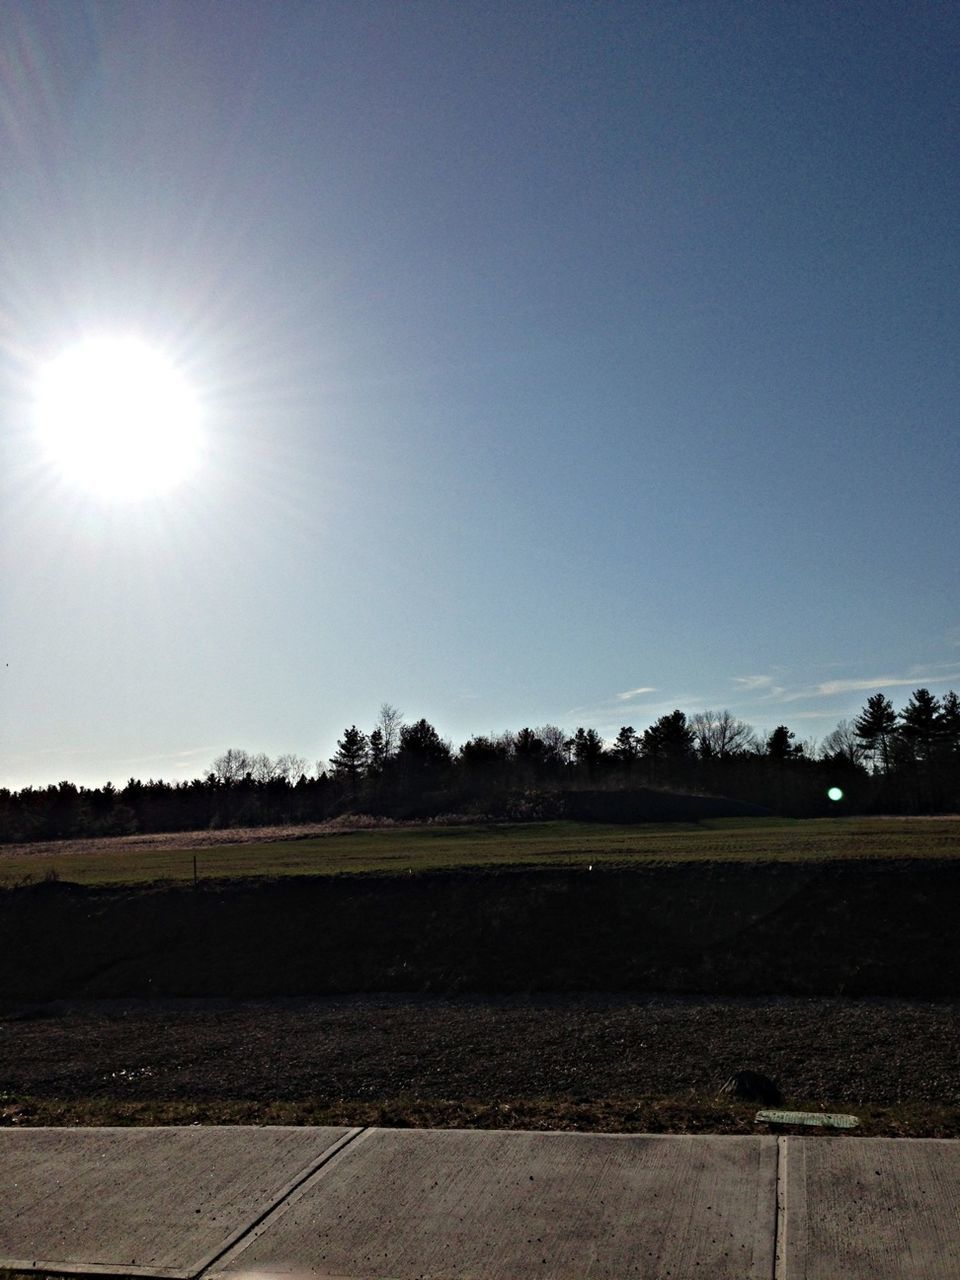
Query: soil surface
{"x": 371, "y": 1048}
{"x": 863, "y": 929}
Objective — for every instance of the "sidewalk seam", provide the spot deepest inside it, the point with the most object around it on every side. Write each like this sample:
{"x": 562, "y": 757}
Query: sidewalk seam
{"x": 279, "y": 1200}
{"x": 780, "y": 1225}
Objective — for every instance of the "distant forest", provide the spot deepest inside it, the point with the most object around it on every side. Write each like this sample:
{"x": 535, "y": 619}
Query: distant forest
{"x": 884, "y": 761}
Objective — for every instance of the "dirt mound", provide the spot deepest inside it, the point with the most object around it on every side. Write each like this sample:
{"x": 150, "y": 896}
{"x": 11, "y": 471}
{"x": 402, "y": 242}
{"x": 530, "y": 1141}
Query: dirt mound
{"x": 860, "y": 928}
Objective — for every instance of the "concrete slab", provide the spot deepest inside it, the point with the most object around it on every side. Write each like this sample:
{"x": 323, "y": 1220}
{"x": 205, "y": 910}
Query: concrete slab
{"x": 159, "y": 1202}
{"x": 870, "y": 1207}
{"x": 484, "y": 1205}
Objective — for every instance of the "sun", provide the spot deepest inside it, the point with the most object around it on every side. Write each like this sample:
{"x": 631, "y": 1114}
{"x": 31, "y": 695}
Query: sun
{"x": 118, "y": 418}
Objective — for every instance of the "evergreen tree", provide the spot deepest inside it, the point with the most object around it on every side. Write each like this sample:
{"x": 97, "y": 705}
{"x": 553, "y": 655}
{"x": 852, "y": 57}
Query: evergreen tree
{"x": 377, "y": 751}
{"x": 781, "y": 744}
{"x": 482, "y": 752}
{"x": 920, "y": 724}
{"x": 626, "y": 746}
{"x": 529, "y": 757}
{"x": 350, "y": 758}
{"x": 421, "y": 747}
{"x": 528, "y": 747}
{"x": 668, "y": 741}
{"x": 875, "y": 727}
{"x": 950, "y": 725}
{"x": 588, "y": 749}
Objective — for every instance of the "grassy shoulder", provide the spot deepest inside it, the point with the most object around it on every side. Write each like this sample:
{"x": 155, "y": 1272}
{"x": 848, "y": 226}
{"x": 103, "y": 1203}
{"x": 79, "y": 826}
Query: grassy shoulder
{"x": 435, "y": 847}
{"x": 682, "y": 1114}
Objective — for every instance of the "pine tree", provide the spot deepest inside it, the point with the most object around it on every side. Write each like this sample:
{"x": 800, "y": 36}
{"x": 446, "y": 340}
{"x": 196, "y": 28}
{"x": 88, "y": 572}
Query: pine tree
{"x": 950, "y": 725}
{"x": 587, "y": 749}
{"x": 377, "y": 751}
{"x": 781, "y": 745}
{"x": 350, "y": 759}
{"x": 875, "y": 727}
{"x": 669, "y": 740}
{"x": 920, "y": 724}
{"x": 626, "y": 746}
{"x": 421, "y": 748}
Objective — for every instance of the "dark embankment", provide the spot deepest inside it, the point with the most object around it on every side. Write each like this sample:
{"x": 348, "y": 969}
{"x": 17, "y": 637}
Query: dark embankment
{"x": 856, "y": 929}
{"x": 644, "y": 804}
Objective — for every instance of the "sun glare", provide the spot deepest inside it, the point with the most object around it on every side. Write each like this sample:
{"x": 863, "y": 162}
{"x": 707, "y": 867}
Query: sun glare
{"x": 118, "y": 418}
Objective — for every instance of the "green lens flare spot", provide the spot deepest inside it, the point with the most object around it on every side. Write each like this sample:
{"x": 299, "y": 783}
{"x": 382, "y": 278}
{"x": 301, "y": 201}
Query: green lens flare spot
{"x": 834, "y": 794}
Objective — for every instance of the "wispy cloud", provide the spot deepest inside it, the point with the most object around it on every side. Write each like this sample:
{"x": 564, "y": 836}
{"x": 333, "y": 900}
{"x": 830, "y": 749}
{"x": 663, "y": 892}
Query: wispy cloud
{"x": 765, "y": 688}
{"x": 920, "y": 676}
{"x": 190, "y": 753}
{"x": 610, "y": 707}
{"x": 828, "y": 688}
{"x": 753, "y": 682}
{"x": 756, "y": 696}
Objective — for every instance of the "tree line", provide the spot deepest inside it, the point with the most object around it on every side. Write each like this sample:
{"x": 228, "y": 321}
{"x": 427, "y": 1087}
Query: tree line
{"x": 884, "y": 761}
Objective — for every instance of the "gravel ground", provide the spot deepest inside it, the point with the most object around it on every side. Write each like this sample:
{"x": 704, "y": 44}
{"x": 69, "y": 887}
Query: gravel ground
{"x": 370, "y": 1048}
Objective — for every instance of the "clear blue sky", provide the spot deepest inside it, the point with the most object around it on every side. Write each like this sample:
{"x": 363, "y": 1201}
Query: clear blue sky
{"x": 547, "y": 352}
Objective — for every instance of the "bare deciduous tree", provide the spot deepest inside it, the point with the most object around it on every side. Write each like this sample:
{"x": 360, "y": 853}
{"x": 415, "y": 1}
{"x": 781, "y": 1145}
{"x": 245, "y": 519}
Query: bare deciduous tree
{"x": 558, "y": 747}
{"x": 719, "y": 734}
{"x": 262, "y": 768}
{"x": 232, "y": 766}
{"x": 290, "y": 767}
{"x": 844, "y": 743}
{"x": 389, "y": 722}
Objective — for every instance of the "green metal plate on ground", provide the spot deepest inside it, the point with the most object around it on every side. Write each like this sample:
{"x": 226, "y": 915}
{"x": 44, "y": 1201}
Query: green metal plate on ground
{"x": 826, "y": 1119}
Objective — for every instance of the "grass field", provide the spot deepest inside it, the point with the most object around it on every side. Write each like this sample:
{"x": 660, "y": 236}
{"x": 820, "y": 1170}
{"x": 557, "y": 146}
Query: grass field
{"x": 415, "y": 849}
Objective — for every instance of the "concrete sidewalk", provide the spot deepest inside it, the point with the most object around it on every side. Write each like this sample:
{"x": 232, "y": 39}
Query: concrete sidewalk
{"x": 359, "y": 1204}
{"x": 152, "y": 1202}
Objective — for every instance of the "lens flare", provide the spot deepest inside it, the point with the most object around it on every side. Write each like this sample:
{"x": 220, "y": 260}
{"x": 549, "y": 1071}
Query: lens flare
{"x": 834, "y": 794}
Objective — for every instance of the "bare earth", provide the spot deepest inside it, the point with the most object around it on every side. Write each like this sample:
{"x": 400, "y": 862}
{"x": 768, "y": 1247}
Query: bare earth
{"x": 366, "y": 1049}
